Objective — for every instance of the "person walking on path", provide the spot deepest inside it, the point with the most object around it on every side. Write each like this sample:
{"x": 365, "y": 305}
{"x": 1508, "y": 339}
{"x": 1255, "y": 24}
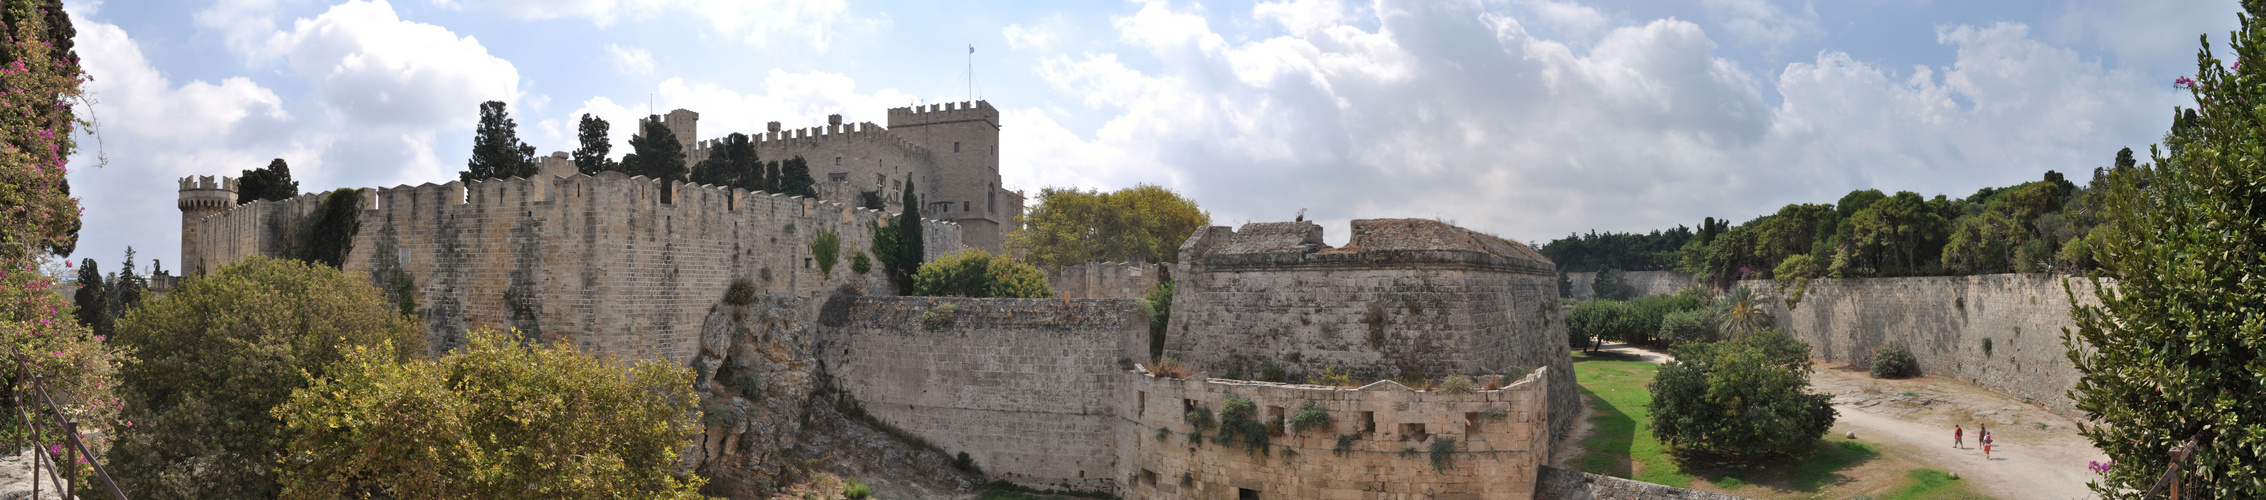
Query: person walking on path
{"x": 1958, "y": 437}
{"x": 1985, "y": 438}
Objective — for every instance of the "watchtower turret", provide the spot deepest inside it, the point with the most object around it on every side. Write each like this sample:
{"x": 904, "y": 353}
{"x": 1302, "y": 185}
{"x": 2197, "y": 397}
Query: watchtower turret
{"x": 964, "y": 136}
{"x": 201, "y": 196}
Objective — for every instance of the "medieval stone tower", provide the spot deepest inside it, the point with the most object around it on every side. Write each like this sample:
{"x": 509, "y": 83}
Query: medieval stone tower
{"x": 201, "y": 197}
{"x": 964, "y": 186}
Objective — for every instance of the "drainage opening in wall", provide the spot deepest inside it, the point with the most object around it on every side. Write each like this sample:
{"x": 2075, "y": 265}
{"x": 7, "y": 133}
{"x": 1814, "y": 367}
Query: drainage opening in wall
{"x": 1246, "y": 494}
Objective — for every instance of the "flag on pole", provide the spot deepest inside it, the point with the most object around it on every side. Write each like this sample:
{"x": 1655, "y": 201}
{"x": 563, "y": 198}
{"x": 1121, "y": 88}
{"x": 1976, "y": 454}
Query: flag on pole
{"x": 971, "y": 49}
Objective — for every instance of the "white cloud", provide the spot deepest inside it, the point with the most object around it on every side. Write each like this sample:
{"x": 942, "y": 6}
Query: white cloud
{"x": 631, "y": 60}
{"x": 1449, "y": 110}
{"x": 2157, "y": 37}
{"x": 758, "y": 23}
{"x": 243, "y": 25}
{"x": 1763, "y": 22}
{"x": 1037, "y": 38}
{"x": 153, "y": 131}
{"x": 1580, "y": 22}
{"x": 796, "y": 100}
{"x": 388, "y": 86}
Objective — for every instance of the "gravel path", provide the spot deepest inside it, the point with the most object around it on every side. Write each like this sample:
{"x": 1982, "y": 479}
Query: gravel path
{"x": 2038, "y": 454}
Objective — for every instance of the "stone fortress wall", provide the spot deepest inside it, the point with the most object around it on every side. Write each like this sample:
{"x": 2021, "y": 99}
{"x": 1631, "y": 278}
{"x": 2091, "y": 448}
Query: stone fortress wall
{"x": 1499, "y": 439}
{"x": 1945, "y": 321}
{"x": 1105, "y": 280}
{"x": 1646, "y": 282}
{"x": 1027, "y": 387}
{"x": 949, "y": 150}
{"x": 618, "y": 265}
{"x": 1403, "y": 296}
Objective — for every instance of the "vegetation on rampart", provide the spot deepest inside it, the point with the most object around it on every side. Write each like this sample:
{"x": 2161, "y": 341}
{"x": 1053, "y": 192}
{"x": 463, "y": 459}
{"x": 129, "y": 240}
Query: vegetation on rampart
{"x": 271, "y": 183}
{"x": 1741, "y": 398}
{"x": 1070, "y": 227}
{"x": 976, "y": 273}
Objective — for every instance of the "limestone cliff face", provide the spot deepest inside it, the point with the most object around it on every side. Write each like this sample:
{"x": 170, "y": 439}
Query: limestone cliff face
{"x": 756, "y": 375}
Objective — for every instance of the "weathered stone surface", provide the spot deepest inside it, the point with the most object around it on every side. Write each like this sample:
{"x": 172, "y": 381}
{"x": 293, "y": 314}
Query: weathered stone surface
{"x": 1564, "y": 484}
{"x": 1497, "y": 435}
{"x": 1404, "y": 295}
{"x": 1645, "y": 282}
{"x": 1945, "y": 321}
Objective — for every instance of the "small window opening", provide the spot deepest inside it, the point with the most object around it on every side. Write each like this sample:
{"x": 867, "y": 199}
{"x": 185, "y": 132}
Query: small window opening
{"x": 1368, "y": 420}
{"x": 1471, "y": 423}
{"x": 1246, "y": 494}
{"x": 955, "y": 146}
{"x": 1274, "y": 421}
{"x": 1414, "y": 432}
{"x": 806, "y": 263}
{"x": 1148, "y": 478}
{"x": 1141, "y": 403}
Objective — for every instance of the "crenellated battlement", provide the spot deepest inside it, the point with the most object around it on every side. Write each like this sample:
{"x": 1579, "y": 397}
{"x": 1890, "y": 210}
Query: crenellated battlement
{"x": 944, "y": 113}
{"x": 839, "y": 134}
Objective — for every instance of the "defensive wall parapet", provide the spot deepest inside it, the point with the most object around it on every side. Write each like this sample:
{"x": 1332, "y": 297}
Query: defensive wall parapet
{"x": 1105, "y": 280}
{"x": 1028, "y": 388}
{"x": 616, "y": 264}
{"x": 1404, "y": 298}
{"x": 1946, "y": 321}
{"x": 947, "y": 112}
{"x": 1379, "y": 440}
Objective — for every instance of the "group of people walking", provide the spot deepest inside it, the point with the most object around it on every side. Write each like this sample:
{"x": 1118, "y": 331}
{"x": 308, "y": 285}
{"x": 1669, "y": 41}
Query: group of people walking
{"x": 1982, "y": 437}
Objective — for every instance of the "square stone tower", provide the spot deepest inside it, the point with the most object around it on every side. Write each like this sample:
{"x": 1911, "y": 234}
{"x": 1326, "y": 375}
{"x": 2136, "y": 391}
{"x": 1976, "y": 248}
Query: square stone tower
{"x": 964, "y": 187}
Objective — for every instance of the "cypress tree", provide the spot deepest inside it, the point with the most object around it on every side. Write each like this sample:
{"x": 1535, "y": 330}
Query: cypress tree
{"x": 272, "y": 183}
{"x": 93, "y": 302}
{"x": 496, "y": 150}
{"x": 911, "y": 250}
{"x": 655, "y": 152}
{"x": 590, "y": 159}
{"x": 795, "y": 178}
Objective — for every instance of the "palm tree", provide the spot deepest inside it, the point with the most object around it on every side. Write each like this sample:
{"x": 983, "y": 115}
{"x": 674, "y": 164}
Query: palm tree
{"x": 1744, "y": 313}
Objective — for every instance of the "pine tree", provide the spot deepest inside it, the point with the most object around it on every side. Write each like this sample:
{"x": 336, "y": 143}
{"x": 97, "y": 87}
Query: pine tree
{"x": 732, "y": 165}
{"x": 590, "y": 159}
{"x": 771, "y": 177}
{"x": 795, "y": 178}
{"x": 655, "y": 152}
{"x": 911, "y": 250}
{"x": 272, "y": 183}
{"x": 496, "y": 150}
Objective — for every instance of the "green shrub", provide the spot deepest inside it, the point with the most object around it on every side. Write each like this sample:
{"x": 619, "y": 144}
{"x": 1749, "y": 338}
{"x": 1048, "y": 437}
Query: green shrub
{"x": 964, "y": 463}
{"x": 1457, "y": 384}
{"x": 495, "y": 419}
{"x": 826, "y": 248}
{"x": 1599, "y": 320}
{"x": 1273, "y": 373}
{"x": 1739, "y": 398}
{"x": 855, "y": 490}
{"x": 1684, "y": 327}
{"x": 1894, "y": 361}
{"x": 860, "y": 263}
{"x": 741, "y": 292}
{"x": 975, "y": 273}
{"x": 1159, "y": 301}
{"x": 1199, "y": 419}
{"x": 211, "y": 359}
{"x": 1443, "y": 453}
{"x": 1986, "y": 347}
{"x": 1239, "y": 418}
{"x": 1310, "y": 415}
{"x": 940, "y": 316}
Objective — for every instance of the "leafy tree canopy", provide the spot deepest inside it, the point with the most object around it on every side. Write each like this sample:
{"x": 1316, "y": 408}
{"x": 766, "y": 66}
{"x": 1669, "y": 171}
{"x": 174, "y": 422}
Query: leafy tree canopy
{"x": 212, "y": 358}
{"x": 1578, "y": 253}
{"x": 655, "y": 152}
{"x": 272, "y": 183}
{"x": 976, "y": 273}
{"x": 495, "y": 419}
{"x": 731, "y": 165}
{"x": 1071, "y": 227}
{"x": 590, "y": 158}
{"x": 2173, "y": 351}
{"x": 1741, "y": 398}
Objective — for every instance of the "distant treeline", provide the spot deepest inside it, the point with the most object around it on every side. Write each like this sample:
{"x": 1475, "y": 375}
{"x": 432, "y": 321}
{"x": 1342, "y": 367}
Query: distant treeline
{"x": 2033, "y": 227}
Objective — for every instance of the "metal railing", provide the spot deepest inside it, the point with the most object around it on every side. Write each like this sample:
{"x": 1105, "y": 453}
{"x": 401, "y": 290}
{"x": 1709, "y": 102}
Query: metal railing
{"x": 37, "y": 424}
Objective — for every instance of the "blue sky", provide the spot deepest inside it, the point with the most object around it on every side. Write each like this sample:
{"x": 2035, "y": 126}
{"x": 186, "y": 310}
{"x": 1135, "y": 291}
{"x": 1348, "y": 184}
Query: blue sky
{"x": 1529, "y": 119}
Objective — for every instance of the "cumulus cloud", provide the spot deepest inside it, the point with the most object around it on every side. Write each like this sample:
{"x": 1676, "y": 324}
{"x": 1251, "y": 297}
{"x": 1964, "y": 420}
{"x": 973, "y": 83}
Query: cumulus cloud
{"x": 796, "y": 100}
{"x": 1764, "y": 22}
{"x": 630, "y": 60}
{"x": 152, "y": 131}
{"x": 758, "y": 23}
{"x": 1457, "y": 111}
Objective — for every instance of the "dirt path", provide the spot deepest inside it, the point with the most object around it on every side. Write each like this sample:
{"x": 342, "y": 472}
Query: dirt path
{"x": 2038, "y": 453}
